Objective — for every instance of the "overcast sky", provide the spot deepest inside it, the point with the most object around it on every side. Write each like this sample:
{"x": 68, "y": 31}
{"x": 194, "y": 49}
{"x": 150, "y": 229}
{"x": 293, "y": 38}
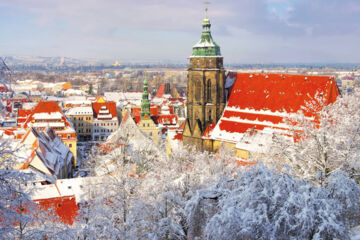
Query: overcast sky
{"x": 248, "y": 31}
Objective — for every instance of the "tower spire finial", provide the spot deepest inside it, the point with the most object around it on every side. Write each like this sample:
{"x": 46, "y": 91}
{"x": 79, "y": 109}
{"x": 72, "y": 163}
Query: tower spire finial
{"x": 206, "y": 9}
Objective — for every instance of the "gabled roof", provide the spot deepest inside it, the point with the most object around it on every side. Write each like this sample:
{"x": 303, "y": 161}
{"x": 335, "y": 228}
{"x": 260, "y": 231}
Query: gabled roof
{"x": 262, "y": 101}
{"x": 111, "y": 106}
{"x": 52, "y": 152}
{"x": 46, "y": 107}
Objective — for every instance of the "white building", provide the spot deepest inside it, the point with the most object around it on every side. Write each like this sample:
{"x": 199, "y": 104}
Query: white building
{"x": 105, "y": 120}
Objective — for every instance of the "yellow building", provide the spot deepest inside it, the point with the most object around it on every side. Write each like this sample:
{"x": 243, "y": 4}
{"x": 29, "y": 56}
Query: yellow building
{"x": 82, "y": 120}
{"x": 149, "y": 127}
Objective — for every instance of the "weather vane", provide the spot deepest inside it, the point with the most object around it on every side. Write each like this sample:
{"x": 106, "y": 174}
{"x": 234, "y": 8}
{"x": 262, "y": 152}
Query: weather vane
{"x": 206, "y": 9}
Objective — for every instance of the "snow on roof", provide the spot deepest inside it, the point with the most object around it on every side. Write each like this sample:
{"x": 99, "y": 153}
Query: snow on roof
{"x": 71, "y": 91}
{"x": 52, "y": 115}
{"x": 48, "y": 124}
{"x": 79, "y": 187}
{"x": 123, "y": 96}
{"x": 77, "y": 102}
{"x": 80, "y": 111}
{"x": 202, "y": 43}
{"x": 48, "y": 147}
{"x": 257, "y": 142}
{"x": 129, "y": 132}
{"x": 261, "y": 101}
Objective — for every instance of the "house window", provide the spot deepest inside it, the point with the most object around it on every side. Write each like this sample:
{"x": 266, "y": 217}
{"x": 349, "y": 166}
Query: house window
{"x": 143, "y": 124}
{"x": 70, "y": 145}
{"x": 148, "y": 124}
{"x": 68, "y": 136}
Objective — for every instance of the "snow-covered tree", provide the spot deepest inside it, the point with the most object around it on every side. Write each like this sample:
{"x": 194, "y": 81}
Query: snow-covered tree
{"x": 20, "y": 217}
{"x": 324, "y": 143}
{"x": 261, "y": 204}
{"x": 144, "y": 197}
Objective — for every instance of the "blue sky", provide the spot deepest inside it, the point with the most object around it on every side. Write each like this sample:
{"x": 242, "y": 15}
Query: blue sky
{"x": 248, "y": 31}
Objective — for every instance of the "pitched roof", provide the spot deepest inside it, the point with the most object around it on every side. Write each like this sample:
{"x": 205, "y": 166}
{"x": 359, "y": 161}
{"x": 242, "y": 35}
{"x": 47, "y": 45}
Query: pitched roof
{"x": 262, "y": 101}
{"x": 111, "y": 106}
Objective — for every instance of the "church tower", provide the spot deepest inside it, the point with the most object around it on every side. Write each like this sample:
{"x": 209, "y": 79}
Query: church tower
{"x": 145, "y": 105}
{"x": 146, "y": 124}
{"x": 206, "y": 87}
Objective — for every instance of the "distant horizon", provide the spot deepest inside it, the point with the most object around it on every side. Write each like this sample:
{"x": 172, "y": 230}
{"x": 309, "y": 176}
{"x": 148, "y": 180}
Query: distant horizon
{"x": 249, "y": 31}
{"x": 172, "y": 61}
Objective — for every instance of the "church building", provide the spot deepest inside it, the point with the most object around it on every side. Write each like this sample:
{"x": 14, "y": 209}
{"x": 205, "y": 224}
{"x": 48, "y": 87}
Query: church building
{"x": 242, "y": 111}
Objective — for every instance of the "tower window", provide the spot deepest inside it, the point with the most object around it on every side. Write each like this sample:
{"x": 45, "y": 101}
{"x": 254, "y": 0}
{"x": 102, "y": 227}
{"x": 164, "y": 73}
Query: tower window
{"x": 198, "y": 91}
{"x": 209, "y": 90}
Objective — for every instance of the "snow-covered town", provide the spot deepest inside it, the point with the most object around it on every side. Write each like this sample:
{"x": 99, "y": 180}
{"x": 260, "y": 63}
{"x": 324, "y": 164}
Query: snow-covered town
{"x": 197, "y": 150}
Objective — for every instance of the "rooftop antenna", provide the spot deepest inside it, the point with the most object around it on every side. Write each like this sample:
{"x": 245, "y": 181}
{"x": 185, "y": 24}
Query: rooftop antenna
{"x": 206, "y": 9}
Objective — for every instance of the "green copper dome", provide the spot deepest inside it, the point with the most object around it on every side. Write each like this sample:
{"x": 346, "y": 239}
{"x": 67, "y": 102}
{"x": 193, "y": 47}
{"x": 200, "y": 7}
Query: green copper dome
{"x": 206, "y": 46}
{"x": 145, "y": 105}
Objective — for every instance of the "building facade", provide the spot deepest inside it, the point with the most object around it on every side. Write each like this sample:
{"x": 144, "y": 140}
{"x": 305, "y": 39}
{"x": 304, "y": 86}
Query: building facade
{"x": 206, "y": 87}
{"x": 82, "y": 119}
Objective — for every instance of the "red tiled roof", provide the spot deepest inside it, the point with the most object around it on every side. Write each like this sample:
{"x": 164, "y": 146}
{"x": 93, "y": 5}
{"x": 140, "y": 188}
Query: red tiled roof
{"x": 3, "y": 89}
{"x": 178, "y": 136}
{"x": 161, "y": 90}
{"x": 170, "y": 119}
{"x": 137, "y": 118}
{"x": 135, "y": 111}
{"x": 111, "y": 106}
{"x": 279, "y": 92}
{"x": 259, "y": 100}
{"x": 208, "y": 130}
{"x": 65, "y": 207}
{"x": 44, "y": 107}
{"x": 136, "y": 114}
{"x": 171, "y": 109}
{"x": 154, "y": 110}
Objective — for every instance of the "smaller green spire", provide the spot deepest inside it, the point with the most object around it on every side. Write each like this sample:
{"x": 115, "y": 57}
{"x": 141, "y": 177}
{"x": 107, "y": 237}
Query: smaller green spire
{"x": 145, "y": 105}
{"x": 206, "y": 45}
